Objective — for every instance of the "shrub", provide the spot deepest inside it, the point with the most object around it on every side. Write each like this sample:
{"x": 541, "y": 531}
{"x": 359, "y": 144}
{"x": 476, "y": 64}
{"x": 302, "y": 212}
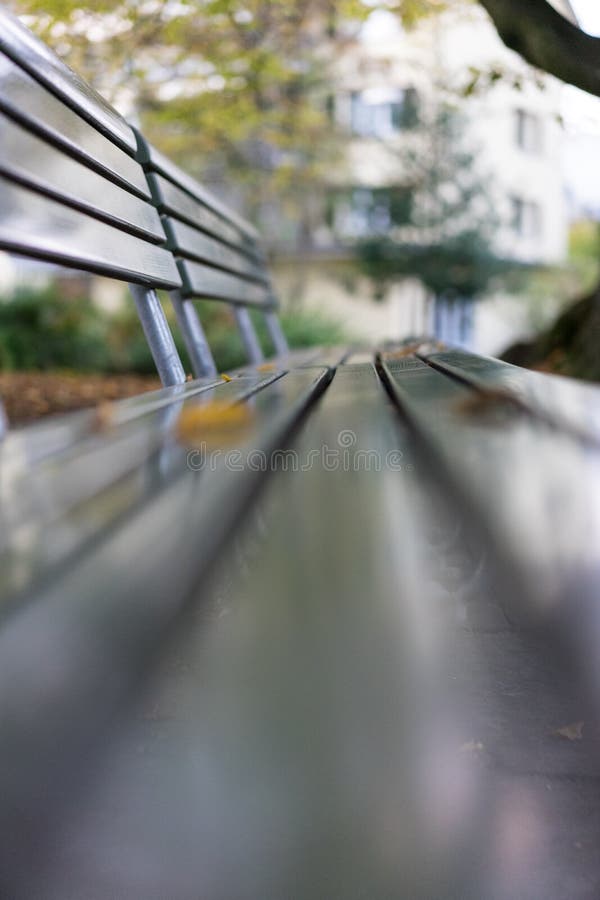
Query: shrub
{"x": 311, "y": 329}
{"x": 49, "y": 329}
{"x": 42, "y": 329}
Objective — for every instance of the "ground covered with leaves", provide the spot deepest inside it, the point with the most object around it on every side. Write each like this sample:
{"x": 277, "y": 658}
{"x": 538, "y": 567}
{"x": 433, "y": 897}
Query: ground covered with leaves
{"x": 30, "y": 395}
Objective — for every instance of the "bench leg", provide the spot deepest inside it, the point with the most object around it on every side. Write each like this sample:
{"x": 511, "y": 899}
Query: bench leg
{"x": 159, "y": 337}
{"x": 276, "y": 333}
{"x": 4, "y": 425}
{"x": 249, "y": 336}
{"x": 196, "y": 344}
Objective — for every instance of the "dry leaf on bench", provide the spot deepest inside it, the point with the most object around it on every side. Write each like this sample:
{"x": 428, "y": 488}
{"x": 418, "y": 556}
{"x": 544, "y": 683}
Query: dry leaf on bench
{"x": 572, "y": 732}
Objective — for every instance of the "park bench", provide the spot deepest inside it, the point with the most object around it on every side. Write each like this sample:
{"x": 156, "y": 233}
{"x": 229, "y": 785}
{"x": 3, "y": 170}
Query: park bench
{"x": 325, "y": 628}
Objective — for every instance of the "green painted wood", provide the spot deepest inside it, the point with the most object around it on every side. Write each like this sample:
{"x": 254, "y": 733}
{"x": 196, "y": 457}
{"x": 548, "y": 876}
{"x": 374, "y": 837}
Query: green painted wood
{"x": 36, "y": 108}
{"x": 204, "y": 282}
{"x": 41, "y": 228}
{"x": 45, "y": 66}
{"x": 156, "y": 162}
{"x": 184, "y": 240}
{"x": 27, "y": 158}
{"x": 571, "y": 405}
{"x": 174, "y": 201}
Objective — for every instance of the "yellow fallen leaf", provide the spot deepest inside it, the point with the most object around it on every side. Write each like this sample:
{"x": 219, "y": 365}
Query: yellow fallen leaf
{"x": 212, "y": 423}
{"x": 488, "y": 400}
{"x": 411, "y": 349}
{"x": 226, "y": 377}
{"x": 402, "y": 353}
{"x": 103, "y": 416}
{"x": 572, "y": 732}
{"x": 266, "y": 367}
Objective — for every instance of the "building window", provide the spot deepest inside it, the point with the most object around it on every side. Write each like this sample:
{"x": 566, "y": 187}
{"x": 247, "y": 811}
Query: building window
{"x": 528, "y": 131}
{"x": 368, "y": 212}
{"x": 330, "y": 107}
{"x": 383, "y": 112}
{"x": 410, "y": 108}
{"x": 526, "y": 218}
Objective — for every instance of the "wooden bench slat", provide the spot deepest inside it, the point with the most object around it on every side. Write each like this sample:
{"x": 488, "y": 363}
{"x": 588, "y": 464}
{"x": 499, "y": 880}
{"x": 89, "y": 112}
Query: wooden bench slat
{"x": 27, "y": 158}
{"x": 98, "y": 626}
{"x": 527, "y": 485}
{"x": 315, "y": 356}
{"x": 328, "y": 675}
{"x": 172, "y": 200}
{"x": 49, "y": 436}
{"x": 25, "y": 447}
{"x": 301, "y": 688}
{"x": 201, "y": 281}
{"x": 45, "y": 66}
{"x": 186, "y": 241}
{"x": 341, "y": 671}
{"x": 29, "y": 103}
{"x": 36, "y": 226}
{"x": 50, "y": 507}
{"x": 150, "y": 156}
{"x": 572, "y": 406}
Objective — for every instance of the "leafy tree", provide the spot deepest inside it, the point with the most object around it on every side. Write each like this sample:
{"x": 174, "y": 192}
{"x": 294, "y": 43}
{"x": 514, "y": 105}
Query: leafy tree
{"x": 241, "y": 87}
{"x": 243, "y": 83}
{"x": 446, "y": 237}
{"x": 547, "y": 40}
{"x": 234, "y": 88}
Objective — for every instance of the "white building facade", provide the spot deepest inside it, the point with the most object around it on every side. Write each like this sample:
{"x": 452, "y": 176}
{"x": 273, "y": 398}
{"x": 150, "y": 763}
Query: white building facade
{"x": 512, "y": 125}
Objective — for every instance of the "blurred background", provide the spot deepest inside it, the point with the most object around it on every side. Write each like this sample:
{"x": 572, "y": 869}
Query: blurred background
{"x": 410, "y": 175}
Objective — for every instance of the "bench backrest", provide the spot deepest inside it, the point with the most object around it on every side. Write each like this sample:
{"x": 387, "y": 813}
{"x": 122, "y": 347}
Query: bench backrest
{"x": 80, "y": 188}
{"x": 218, "y": 253}
{"x": 71, "y": 189}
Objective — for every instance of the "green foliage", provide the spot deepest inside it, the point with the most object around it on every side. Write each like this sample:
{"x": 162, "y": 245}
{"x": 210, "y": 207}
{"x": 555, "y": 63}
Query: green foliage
{"x": 234, "y": 90}
{"x": 44, "y": 330}
{"x": 230, "y": 88}
{"x": 301, "y": 327}
{"x": 446, "y": 239}
{"x": 584, "y": 252}
{"x": 310, "y": 329}
{"x": 478, "y": 81}
{"x": 547, "y": 290}
{"x": 460, "y": 267}
{"x": 48, "y": 330}
{"x": 411, "y": 12}
{"x": 569, "y": 346}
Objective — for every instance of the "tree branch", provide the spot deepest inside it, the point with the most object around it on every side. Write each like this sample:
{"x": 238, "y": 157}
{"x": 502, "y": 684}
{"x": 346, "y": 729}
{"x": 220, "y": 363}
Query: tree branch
{"x": 547, "y": 40}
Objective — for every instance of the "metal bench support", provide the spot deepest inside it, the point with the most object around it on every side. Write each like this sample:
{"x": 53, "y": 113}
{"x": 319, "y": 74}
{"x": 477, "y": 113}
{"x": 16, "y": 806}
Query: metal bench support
{"x": 159, "y": 337}
{"x": 196, "y": 343}
{"x": 249, "y": 336}
{"x": 276, "y": 333}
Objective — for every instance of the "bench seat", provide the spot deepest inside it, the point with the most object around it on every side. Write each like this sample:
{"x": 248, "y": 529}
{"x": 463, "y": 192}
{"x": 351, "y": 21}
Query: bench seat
{"x": 324, "y": 627}
{"x": 571, "y": 405}
{"x": 265, "y": 612}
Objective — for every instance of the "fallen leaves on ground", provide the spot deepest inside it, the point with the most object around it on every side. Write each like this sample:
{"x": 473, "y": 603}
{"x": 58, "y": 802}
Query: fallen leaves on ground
{"x": 31, "y": 395}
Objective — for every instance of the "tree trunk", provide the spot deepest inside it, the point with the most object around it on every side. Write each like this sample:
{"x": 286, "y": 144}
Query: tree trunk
{"x": 570, "y": 346}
